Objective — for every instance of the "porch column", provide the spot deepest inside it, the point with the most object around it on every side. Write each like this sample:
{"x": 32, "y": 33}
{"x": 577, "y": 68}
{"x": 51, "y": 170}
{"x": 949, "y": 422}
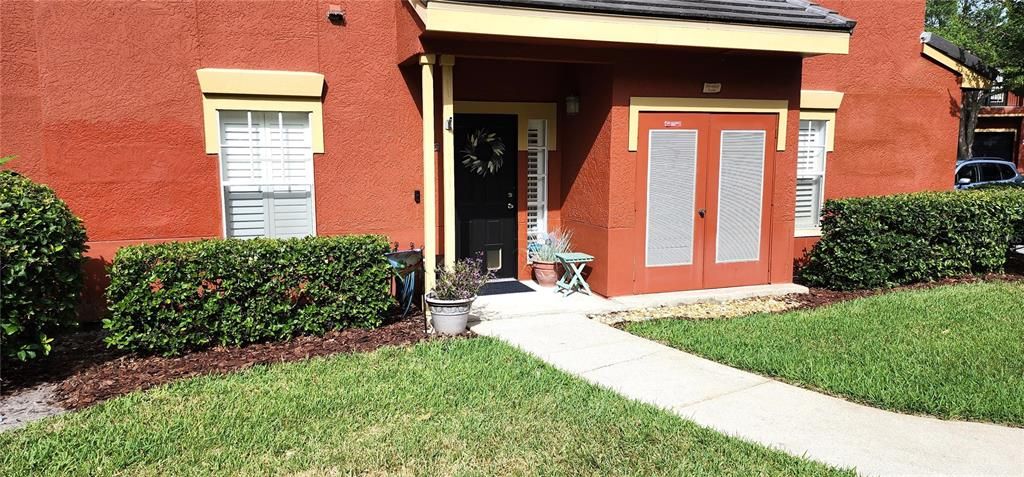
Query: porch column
{"x": 429, "y": 175}
{"x": 448, "y": 157}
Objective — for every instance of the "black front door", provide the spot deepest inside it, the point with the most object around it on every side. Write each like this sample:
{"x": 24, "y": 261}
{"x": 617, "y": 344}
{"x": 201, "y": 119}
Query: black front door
{"x": 485, "y": 190}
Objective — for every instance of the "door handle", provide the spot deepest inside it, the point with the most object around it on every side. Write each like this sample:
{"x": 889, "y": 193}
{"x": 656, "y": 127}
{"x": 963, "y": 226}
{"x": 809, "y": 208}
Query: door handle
{"x": 510, "y": 206}
{"x": 701, "y": 213}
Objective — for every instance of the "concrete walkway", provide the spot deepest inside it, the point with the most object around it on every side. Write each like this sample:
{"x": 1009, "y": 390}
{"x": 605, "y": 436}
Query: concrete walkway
{"x": 801, "y": 422}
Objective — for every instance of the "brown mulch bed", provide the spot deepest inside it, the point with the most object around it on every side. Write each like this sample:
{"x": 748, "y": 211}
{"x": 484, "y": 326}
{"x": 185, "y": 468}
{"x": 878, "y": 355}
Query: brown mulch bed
{"x": 821, "y": 297}
{"x": 86, "y": 372}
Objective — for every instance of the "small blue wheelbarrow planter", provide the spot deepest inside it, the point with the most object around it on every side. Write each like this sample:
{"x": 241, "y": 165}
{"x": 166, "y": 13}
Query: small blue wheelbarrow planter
{"x": 405, "y": 264}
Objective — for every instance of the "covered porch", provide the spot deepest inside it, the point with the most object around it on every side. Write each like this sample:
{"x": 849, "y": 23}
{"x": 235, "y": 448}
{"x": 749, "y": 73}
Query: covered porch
{"x": 537, "y": 120}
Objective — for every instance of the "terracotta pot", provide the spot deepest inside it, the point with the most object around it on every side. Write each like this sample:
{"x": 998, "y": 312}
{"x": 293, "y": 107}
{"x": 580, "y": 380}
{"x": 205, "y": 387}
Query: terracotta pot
{"x": 544, "y": 273}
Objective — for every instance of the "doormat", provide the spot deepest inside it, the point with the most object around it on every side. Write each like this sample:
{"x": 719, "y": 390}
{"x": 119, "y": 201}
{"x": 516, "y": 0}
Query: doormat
{"x": 504, "y": 287}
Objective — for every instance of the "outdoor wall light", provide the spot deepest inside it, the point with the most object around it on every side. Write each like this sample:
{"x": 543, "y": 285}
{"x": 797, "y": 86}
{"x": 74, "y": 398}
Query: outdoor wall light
{"x": 335, "y": 14}
{"x": 572, "y": 105}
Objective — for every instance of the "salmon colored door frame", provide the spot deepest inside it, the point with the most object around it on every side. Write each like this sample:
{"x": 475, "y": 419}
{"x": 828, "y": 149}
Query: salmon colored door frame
{"x": 688, "y": 152}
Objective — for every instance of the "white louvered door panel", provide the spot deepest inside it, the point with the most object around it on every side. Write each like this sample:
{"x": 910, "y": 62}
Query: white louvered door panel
{"x": 671, "y": 191}
{"x": 267, "y": 174}
{"x": 810, "y": 173}
{"x": 536, "y": 180}
{"x": 740, "y": 193}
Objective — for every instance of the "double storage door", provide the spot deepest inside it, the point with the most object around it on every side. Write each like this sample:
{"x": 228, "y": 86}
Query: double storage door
{"x": 704, "y": 187}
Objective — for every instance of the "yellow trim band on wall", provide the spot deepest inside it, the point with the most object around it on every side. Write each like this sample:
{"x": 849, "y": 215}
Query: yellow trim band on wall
{"x": 638, "y": 104}
{"x": 830, "y": 133}
{"x": 818, "y": 99}
{"x": 457, "y": 17}
{"x": 260, "y": 82}
{"x": 969, "y": 78}
{"x": 523, "y": 111}
{"x": 213, "y": 103}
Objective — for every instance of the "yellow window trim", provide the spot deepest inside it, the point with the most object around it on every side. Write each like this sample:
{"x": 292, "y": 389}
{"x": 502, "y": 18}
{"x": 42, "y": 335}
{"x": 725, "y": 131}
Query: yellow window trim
{"x": 819, "y": 99}
{"x": 457, "y": 17}
{"x": 639, "y": 104}
{"x": 813, "y": 232}
{"x": 969, "y": 78}
{"x": 830, "y": 133}
{"x": 258, "y": 90}
{"x": 523, "y": 111}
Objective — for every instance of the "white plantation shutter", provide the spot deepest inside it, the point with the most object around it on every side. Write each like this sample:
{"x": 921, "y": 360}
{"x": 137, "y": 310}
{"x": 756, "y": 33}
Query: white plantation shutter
{"x": 267, "y": 174}
{"x": 536, "y": 180}
{"x": 810, "y": 173}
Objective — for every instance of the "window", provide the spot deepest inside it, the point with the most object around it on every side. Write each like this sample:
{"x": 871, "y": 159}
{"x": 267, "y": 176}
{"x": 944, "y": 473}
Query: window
{"x": 998, "y": 99}
{"x": 810, "y": 175}
{"x": 266, "y": 161}
{"x": 536, "y": 180}
{"x": 990, "y": 172}
{"x": 1008, "y": 172}
{"x": 969, "y": 172}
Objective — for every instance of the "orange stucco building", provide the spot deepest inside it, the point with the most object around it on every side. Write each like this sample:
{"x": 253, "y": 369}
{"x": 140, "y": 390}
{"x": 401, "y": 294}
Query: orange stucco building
{"x": 684, "y": 147}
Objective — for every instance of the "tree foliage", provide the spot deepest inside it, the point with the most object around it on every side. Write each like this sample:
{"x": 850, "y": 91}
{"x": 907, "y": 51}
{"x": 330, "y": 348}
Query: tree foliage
{"x": 993, "y": 30}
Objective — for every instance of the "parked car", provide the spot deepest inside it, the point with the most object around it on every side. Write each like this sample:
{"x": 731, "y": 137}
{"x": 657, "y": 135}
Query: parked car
{"x": 985, "y": 170}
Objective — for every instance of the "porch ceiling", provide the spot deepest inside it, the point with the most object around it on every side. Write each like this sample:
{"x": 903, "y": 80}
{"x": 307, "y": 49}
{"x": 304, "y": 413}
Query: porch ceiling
{"x": 791, "y": 26}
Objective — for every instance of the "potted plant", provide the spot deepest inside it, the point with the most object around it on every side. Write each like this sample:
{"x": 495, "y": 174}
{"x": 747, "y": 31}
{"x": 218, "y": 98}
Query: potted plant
{"x": 453, "y": 295}
{"x": 542, "y": 255}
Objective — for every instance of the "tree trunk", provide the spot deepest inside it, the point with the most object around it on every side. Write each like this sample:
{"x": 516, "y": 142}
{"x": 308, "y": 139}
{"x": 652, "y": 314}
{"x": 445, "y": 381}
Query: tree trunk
{"x": 970, "y": 106}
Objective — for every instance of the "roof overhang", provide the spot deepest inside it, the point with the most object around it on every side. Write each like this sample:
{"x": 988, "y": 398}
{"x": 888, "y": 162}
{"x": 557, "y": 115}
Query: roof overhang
{"x": 973, "y": 74}
{"x": 441, "y": 16}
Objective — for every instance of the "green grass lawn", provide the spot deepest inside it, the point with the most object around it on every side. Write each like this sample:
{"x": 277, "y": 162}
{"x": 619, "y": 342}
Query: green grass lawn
{"x": 954, "y": 352}
{"x": 454, "y": 407}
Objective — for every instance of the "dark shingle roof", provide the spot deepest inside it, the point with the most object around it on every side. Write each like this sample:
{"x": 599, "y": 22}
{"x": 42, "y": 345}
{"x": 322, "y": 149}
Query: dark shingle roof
{"x": 785, "y": 13}
{"x": 951, "y": 50}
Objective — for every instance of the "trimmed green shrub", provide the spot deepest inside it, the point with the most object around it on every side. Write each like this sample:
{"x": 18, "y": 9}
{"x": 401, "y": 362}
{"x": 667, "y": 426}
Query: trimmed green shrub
{"x": 41, "y": 249}
{"x": 179, "y": 296}
{"x": 875, "y": 242}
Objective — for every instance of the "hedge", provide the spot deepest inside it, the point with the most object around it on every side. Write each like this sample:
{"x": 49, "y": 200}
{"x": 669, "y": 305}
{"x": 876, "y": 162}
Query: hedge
{"x": 41, "y": 248}
{"x": 876, "y": 242}
{"x": 179, "y": 296}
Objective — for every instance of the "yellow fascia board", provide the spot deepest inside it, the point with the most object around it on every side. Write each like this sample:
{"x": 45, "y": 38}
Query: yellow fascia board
{"x": 830, "y": 117}
{"x": 212, "y": 103}
{"x": 260, "y": 82}
{"x": 819, "y": 99}
{"x": 523, "y": 111}
{"x": 970, "y": 78}
{"x": 638, "y": 104}
{"x": 454, "y": 17}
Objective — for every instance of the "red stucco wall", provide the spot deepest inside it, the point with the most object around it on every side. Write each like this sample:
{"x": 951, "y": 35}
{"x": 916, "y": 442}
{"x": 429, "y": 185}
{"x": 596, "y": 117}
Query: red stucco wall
{"x": 897, "y": 127}
{"x": 101, "y": 102}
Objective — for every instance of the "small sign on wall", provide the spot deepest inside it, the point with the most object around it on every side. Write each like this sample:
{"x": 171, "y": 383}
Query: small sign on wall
{"x": 712, "y": 88}
{"x": 673, "y": 124}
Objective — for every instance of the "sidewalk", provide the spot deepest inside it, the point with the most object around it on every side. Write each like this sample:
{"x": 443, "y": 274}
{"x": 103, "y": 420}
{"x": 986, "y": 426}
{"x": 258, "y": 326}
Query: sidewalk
{"x": 801, "y": 422}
